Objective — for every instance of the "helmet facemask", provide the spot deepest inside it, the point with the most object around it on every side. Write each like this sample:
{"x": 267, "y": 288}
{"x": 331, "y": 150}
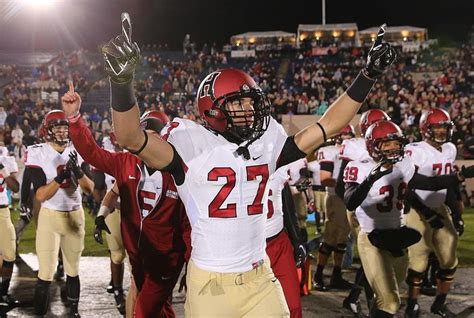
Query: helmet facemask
{"x": 392, "y": 154}
{"x": 436, "y": 135}
{"x": 58, "y": 132}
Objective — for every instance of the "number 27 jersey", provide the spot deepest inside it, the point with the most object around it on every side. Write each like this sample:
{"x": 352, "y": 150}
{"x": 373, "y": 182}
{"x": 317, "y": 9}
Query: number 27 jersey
{"x": 225, "y": 195}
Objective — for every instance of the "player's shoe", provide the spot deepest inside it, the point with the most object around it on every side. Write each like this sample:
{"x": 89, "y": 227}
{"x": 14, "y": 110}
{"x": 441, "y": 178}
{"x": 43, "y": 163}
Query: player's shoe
{"x": 354, "y": 307}
{"x": 337, "y": 282}
{"x": 110, "y": 288}
{"x": 119, "y": 301}
{"x": 73, "y": 310}
{"x": 442, "y": 310}
{"x": 319, "y": 285}
{"x": 59, "y": 275}
{"x": 428, "y": 289}
{"x": 413, "y": 312}
{"x": 8, "y": 301}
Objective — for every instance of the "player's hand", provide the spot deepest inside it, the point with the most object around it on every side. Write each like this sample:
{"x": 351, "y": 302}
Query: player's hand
{"x": 100, "y": 226}
{"x": 435, "y": 220}
{"x": 380, "y": 57}
{"x": 182, "y": 282}
{"x": 458, "y": 223}
{"x": 377, "y": 172}
{"x": 25, "y": 213}
{"x": 121, "y": 56}
{"x": 73, "y": 165}
{"x": 71, "y": 101}
{"x": 466, "y": 173}
{"x": 63, "y": 175}
{"x": 299, "y": 252}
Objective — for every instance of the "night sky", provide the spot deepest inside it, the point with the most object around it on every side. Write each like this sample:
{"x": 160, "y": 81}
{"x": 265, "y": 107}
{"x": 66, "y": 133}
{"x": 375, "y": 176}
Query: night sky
{"x": 74, "y": 23}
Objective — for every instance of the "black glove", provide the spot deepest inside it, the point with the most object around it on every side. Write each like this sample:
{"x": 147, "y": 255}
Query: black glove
{"x": 121, "y": 55}
{"x": 25, "y": 213}
{"x": 73, "y": 166}
{"x": 380, "y": 57}
{"x": 458, "y": 223}
{"x": 63, "y": 175}
{"x": 465, "y": 173}
{"x": 435, "y": 220}
{"x": 376, "y": 173}
{"x": 100, "y": 226}
{"x": 299, "y": 252}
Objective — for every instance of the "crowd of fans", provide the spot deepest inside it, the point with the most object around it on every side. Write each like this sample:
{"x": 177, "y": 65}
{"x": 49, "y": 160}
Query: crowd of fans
{"x": 299, "y": 84}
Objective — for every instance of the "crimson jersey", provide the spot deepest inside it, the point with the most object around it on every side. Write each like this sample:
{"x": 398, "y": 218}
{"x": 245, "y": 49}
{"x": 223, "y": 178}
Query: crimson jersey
{"x": 10, "y": 166}
{"x": 68, "y": 197}
{"x": 225, "y": 195}
{"x": 154, "y": 223}
{"x": 432, "y": 162}
{"x": 383, "y": 207}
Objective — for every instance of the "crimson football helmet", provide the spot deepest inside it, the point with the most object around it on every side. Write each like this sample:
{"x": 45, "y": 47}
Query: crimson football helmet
{"x": 53, "y": 119}
{"x": 381, "y": 132}
{"x": 154, "y": 120}
{"x": 370, "y": 117}
{"x": 436, "y": 117}
{"x": 346, "y": 131}
{"x": 226, "y": 86}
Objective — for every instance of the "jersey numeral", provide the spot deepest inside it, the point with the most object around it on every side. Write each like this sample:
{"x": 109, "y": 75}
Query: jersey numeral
{"x": 142, "y": 195}
{"x": 320, "y": 156}
{"x": 438, "y": 168}
{"x": 216, "y": 210}
{"x": 350, "y": 173}
{"x": 67, "y": 182}
{"x": 172, "y": 125}
{"x": 389, "y": 192}
{"x": 2, "y": 188}
{"x": 271, "y": 210}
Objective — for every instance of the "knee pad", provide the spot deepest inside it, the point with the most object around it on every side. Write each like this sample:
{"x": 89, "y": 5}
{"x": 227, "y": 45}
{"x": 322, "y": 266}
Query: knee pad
{"x": 340, "y": 248}
{"x": 446, "y": 275}
{"x": 41, "y": 300}
{"x": 325, "y": 249}
{"x": 414, "y": 278}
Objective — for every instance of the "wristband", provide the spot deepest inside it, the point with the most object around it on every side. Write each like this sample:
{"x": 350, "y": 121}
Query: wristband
{"x": 122, "y": 97}
{"x": 73, "y": 119}
{"x": 59, "y": 179}
{"x": 360, "y": 88}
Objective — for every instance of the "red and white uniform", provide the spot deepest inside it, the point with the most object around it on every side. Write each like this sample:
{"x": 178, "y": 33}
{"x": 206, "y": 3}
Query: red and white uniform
{"x": 431, "y": 162}
{"x": 68, "y": 197}
{"x": 10, "y": 166}
{"x": 224, "y": 194}
{"x": 354, "y": 149}
{"x": 294, "y": 169}
{"x": 331, "y": 154}
{"x": 315, "y": 169}
{"x": 383, "y": 207}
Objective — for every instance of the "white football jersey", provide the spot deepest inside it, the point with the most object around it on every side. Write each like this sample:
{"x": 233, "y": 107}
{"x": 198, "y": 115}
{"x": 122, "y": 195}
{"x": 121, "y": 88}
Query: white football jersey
{"x": 276, "y": 182}
{"x": 107, "y": 144}
{"x": 331, "y": 154}
{"x": 354, "y": 149}
{"x": 225, "y": 195}
{"x": 9, "y": 164}
{"x": 314, "y": 167}
{"x": 431, "y": 162}
{"x": 4, "y": 151}
{"x": 294, "y": 170}
{"x": 68, "y": 197}
{"x": 383, "y": 207}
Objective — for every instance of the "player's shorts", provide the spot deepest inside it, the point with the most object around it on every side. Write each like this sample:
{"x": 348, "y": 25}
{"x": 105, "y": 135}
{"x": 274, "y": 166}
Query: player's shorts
{"x": 57, "y": 230}
{"x": 336, "y": 228}
{"x": 353, "y": 223}
{"x": 384, "y": 273}
{"x": 256, "y": 293}
{"x": 443, "y": 242}
{"x": 7, "y": 236}
{"x": 320, "y": 201}
{"x": 114, "y": 240}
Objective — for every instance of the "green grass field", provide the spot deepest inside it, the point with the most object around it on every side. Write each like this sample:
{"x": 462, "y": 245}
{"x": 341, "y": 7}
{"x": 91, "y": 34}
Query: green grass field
{"x": 27, "y": 245}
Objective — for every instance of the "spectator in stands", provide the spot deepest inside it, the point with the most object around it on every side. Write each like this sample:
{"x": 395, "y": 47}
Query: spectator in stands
{"x": 17, "y": 135}
{"x": 95, "y": 119}
{"x": 3, "y": 116}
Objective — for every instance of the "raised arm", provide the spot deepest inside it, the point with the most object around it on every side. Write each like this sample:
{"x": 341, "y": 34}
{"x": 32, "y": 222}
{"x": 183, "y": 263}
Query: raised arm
{"x": 121, "y": 58}
{"x": 340, "y": 113}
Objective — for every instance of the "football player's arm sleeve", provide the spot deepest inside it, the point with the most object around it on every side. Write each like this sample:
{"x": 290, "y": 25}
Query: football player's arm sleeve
{"x": 37, "y": 178}
{"x": 435, "y": 183}
{"x": 176, "y": 167}
{"x": 99, "y": 180}
{"x": 87, "y": 170}
{"x": 453, "y": 198}
{"x": 289, "y": 216}
{"x": 26, "y": 186}
{"x": 339, "y": 188}
{"x": 416, "y": 203}
{"x": 355, "y": 194}
{"x": 289, "y": 153}
{"x": 327, "y": 168}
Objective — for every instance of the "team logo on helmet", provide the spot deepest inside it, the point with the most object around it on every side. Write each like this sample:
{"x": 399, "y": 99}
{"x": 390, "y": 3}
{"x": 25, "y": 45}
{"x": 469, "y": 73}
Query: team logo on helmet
{"x": 208, "y": 86}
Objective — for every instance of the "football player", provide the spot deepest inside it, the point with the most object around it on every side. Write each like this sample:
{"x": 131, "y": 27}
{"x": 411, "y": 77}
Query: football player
{"x": 319, "y": 194}
{"x": 8, "y": 170}
{"x": 284, "y": 242}
{"x": 299, "y": 183}
{"x": 55, "y": 171}
{"x": 221, "y": 170}
{"x": 155, "y": 229}
{"x": 336, "y": 230}
{"x": 433, "y": 156}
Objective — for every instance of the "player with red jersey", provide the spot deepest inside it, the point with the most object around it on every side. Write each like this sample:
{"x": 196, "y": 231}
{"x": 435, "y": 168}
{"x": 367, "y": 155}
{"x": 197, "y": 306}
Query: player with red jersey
{"x": 154, "y": 225}
{"x": 221, "y": 171}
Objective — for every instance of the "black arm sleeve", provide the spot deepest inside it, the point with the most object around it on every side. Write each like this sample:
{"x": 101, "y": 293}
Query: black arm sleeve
{"x": 176, "y": 168}
{"x": 327, "y": 166}
{"x": 26, "y": 186}
{"x": 415, "y": 201}
{"x": 340, "y": 179}
{"x": 99, "y": 180}
{"x": 452, "y": 201}
{"x": 436, "y": 183}
{"x": 289, "y": 216}
{"x": 289, "y": 153}
{"x": 37, "y": 177}
{"x": 355, "y": 194}
{"x": 87, "y": 170}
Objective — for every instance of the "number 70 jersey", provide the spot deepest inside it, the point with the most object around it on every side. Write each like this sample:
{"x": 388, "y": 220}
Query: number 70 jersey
{"x": 383, "y": 207}
{"x": 225, "y": 195}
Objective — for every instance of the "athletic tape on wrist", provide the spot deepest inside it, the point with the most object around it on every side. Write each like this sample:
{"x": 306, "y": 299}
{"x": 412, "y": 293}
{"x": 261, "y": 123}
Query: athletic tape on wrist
{"x": 360, "y": 87}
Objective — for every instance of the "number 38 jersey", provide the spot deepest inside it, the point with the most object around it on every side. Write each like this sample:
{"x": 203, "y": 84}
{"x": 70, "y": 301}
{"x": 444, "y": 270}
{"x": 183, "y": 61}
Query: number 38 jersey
{"x": 10, "y": 165}
{"x": 432, "y": 162}
{"x": 68, "y": 196}
{"x": 383, "y": 207}
{"x": 225, "y": 195}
